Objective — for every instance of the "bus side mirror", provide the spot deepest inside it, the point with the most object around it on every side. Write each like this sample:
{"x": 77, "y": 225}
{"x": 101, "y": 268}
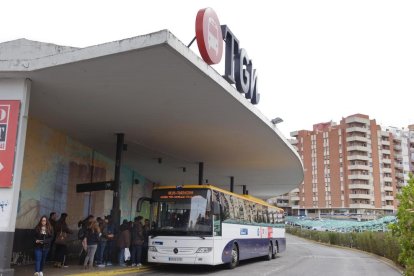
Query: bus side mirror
{"x": 216, "y": 208}
{"x": 140, "y": 201}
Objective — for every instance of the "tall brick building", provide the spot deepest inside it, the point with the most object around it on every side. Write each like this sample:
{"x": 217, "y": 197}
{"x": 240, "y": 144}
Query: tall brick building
{"x": 355, "y": 167}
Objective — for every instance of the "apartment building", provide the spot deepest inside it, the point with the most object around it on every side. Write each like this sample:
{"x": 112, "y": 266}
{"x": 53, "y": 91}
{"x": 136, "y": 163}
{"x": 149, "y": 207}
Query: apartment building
{"x": 355, "y": 167}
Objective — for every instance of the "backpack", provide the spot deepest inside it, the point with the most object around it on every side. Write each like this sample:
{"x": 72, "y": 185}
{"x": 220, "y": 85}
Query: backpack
{"x": 81, "y": 233}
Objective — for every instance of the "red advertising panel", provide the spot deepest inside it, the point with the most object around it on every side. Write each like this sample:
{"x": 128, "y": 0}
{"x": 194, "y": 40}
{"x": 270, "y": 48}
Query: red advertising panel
{"x": 9, "y": 118}
{"x": 209, "y": 36}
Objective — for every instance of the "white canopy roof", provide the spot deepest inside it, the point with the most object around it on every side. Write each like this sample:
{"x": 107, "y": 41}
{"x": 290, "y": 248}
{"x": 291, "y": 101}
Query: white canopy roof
{"x": 167, "y": 101}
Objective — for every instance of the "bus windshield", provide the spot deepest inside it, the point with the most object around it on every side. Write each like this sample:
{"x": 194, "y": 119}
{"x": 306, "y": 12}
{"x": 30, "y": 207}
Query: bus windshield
{"x": 184, "y": 212}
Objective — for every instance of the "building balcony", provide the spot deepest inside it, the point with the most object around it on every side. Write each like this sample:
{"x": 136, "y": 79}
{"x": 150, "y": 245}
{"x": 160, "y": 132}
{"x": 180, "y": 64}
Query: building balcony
{"x": 388, "y": 188}
{"x": 293, "y": 141}
{"x": 360, "y": 186}
{"x": 400, "y": 184}
{"x": 385, "y": 143}
{"x": 284, "y": 204}
{"x": 386, "y": 170}
{"x": 294, "y": 198}
{"x": 357, "y": 148}
{"x": 361, "y": 196}
{"x": 296, "y": 190}
{"x": 386, "y": 151}
{"x": 294, "y": 133}
{"x": 358, "y": 167}
{"x": 356, "y": 138}
{"x": 357, "y": 129}
{"x": 399, "y": 175}
{"x": 359, "y": 176}
{"x": 397, "y": 139}
{"x": 388, "y": 197}
{"x": 398, "y": 157}
{"x": 387, "y": 179}
{"x": 397, "y": 148}
{"x": 398, "y": 165}
{"x": 282, "y": 197}
{"x": 388, "y": 207}
{"x": 355, "y": 119}
{"x": 358, "y": 157}
{"x": 361, "y": 206}
{"x": 386, "y": 161}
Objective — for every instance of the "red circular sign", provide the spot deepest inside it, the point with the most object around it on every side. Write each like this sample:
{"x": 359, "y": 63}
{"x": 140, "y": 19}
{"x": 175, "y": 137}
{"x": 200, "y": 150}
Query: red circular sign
{"x": 209, "y": 37}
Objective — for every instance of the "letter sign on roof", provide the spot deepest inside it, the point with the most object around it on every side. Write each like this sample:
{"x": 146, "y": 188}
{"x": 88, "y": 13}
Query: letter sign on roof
{"x": 209, "y": 37}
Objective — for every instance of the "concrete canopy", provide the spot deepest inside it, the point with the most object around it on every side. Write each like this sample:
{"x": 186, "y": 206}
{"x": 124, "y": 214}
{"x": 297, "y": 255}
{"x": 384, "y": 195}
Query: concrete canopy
{"x": 169, "y": 104}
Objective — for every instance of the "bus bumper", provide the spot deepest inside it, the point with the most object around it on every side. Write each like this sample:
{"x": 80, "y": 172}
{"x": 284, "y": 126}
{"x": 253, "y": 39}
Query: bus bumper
{"x": 199, "y": 258}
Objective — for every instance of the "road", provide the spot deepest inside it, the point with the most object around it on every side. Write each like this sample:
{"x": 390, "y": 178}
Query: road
{"x": 302, "y": 257}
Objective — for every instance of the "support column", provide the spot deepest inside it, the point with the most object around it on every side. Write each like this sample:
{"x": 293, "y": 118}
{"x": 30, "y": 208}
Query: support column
{"x": 244, "y": 189}
{"x": 232, "y": 184}
{"x": 12, "y": 90}
{"x": 116, "y": 211}
{"x": 200, "y": 173}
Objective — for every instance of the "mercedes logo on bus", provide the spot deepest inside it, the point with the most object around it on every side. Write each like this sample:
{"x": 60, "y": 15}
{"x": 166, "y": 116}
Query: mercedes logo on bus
{"x": 175, "y": 250}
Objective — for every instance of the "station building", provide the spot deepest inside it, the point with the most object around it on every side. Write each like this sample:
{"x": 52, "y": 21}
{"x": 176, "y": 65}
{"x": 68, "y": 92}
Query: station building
{"x": 63, "y": 111}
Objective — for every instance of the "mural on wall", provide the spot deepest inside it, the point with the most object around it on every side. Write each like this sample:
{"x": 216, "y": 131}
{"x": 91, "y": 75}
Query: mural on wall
{"x": 54, "y": 164}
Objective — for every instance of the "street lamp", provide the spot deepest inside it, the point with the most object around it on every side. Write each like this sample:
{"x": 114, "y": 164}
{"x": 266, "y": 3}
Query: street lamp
{"x": 277, "y": 120}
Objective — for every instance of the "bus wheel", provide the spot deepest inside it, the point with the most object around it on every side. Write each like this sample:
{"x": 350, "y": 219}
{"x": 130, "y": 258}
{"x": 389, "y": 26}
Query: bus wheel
{"x": 270, "y": 252}
{"x": 234, "y": 257}
{"x": 274, "y": 253}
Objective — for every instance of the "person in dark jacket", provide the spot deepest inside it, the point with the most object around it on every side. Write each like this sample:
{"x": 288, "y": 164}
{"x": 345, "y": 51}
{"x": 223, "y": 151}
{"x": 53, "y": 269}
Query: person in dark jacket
{"x": 145, "y": 245}
{"x": 137, "y": 241}
{"x": 43, "y": 237}
{"x": 123, "y": 241}
{"x": 52, "y": 221}
{"x": 92, "y": 238}
{"x": 61, "y": 246}
{"x": 110, "y": 244}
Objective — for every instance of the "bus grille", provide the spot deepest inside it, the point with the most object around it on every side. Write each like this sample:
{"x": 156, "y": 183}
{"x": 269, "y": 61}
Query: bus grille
{"x": 181, "y": 250}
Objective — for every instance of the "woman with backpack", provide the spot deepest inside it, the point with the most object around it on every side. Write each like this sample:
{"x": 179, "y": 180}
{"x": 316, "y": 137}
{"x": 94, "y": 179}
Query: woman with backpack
{"x": 62, "y": 232}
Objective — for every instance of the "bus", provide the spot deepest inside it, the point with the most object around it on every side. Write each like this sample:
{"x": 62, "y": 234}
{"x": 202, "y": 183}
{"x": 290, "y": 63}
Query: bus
{"x": 206, "y": 225}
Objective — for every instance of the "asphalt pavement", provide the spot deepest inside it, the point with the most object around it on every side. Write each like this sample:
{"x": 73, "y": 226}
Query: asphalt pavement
{"x": 302, "y": 257}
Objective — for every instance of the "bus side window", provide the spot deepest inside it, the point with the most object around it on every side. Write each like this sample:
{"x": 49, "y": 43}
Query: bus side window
{"x": 226, "y": 204}
{"x": 265, "y": 218}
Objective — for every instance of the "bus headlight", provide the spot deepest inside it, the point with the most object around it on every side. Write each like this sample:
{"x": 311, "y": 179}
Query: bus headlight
{"x": 152, "y": 249}
{"x": 203, "y": 250}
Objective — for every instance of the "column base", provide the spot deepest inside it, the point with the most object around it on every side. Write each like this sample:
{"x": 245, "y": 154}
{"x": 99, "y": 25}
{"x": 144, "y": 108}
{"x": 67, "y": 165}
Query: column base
{"x": 6, "y": 272}
{"x": 6, "y": 248}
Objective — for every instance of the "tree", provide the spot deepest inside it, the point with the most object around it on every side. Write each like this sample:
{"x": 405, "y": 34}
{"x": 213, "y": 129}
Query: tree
{"x": 403, "y": 229}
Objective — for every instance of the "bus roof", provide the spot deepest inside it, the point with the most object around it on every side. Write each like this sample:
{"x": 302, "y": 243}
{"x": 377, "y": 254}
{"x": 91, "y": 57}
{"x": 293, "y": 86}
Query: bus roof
{"x": 245, "y": 197}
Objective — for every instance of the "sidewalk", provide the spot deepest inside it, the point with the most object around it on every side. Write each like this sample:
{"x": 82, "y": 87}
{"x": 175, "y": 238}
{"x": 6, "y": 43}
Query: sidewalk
{"x": 74, "y": 269}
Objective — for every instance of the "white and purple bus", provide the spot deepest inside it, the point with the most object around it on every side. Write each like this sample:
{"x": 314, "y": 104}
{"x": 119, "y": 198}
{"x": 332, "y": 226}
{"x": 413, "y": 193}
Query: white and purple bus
{"x": 205, "y": 225}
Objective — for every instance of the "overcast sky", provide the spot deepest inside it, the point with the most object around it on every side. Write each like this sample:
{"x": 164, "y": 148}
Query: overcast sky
{"x": 317, "y": 60}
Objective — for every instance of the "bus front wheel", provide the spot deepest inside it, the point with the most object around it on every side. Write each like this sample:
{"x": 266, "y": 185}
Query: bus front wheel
{"x": 234, "y": 257}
